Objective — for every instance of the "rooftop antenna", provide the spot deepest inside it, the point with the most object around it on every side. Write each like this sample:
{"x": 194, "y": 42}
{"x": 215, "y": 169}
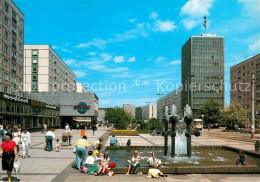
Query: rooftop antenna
{"x": 205, "y": 24}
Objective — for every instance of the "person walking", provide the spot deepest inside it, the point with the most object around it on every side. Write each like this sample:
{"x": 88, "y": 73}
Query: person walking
{"x": 81, "y": 146}
{"x": 4, "y": 131}
{"x": 94, "y": 128}
{"x": 26, "y": 141}
{"x": 16, "y": 137}
{"x": 49, "y": 138}
{"x": 77, "y": 126}
{"x": 45, "y": 127}
{"x": 70, "y": 134}
{"x": 9, "y": 155}
{"x": 67, "y": 127}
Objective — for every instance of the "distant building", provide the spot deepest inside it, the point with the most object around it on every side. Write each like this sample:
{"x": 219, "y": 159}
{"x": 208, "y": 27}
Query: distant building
{"x": 138, "y": 113}
{"x": 149, "y": 111}
{"x": 173, "y": 97}
{"x": 129, "y": 108}
{"x": 81, "y": 88}
{"x": 241, "y": 82}
{"x": 203, "y": 68}
{"x": 101, "y": 115}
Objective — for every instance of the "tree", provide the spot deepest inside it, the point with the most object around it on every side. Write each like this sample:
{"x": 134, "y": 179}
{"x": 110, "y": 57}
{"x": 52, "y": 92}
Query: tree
{"x": 211, "y": 112}
{"x": 155, "y": 124}
{"x": 118, "y": 117}
{"x": 235, "y": 115}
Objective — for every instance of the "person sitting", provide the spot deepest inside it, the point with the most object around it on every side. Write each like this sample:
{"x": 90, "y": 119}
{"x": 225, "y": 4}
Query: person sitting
{"x": 242, "y": 160}
{"x": 128, "y": 144}
{"x": 90, "y": 159}
{"x": 113, "y": 141}
{"x": 103, "y": 164}
{"x": 153, "y": 162}
{"x": 96, "y": 153}
{"x": 133, "y": 163}
{"x": 97, "y": 142}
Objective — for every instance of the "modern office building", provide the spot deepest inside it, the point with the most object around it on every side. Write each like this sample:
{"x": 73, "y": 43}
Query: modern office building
{"x": 11, "y": 48}
{"x": 241, "y": 82}
{"x": 173, "y": 98}
{"x": 81, "y": 88}
{"x": 203, "y": 70}
{"x": 45, "y": 71}
{"x": 138, "y": 113}
{"x": 149, "y": 111}
{"x": 129, "y": 108}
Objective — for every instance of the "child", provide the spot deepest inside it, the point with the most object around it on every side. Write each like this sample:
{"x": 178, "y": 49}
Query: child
{"x": 96, "y": 153}
{"x": 90, "y": 159}
{"x": 45, "y": 145}
{"x": 103, "y": 164}
{"x": 57, "y": 148}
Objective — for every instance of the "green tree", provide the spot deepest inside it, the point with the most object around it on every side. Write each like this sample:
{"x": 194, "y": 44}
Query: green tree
{"x": 155, "y": 124}
{"x": 118, "y": 117}
{"x": 235, "y": 115}
{"x": 211, "y": 112}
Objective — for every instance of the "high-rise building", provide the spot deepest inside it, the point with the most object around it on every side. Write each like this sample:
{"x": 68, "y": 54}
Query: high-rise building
{"x": 130, "y": 109}
{"x": 81, "y": 88}
{"x": 241, "y": 82}
{"x": 149, "y": 111}
{"x": 138, "y": 113}
{"x": 11, "y": 52}
{"x": 45, "y": 71}
{"x": 173, "y": 98}
{"x": 203, "y": 70}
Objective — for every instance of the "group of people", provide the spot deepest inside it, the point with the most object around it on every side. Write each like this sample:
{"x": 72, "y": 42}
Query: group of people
{"x": 114, "y": 141}
{"x": 11, "y": 139}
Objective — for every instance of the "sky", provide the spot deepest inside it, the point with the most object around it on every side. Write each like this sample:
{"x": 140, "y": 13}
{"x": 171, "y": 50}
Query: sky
{"x": 128, "y": 51}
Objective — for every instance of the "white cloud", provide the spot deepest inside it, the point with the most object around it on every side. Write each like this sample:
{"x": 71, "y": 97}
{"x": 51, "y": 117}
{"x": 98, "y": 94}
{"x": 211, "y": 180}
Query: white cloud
{"x": 159, "y": 59}
{"x": 119, "y": 59}
{"x": 99, "y": 43}
{"x": 92, "y": 53}
{"x": 132, "y": 20}
{"x": 251, "y": 8}
{"x": 99, "y": 66}
{"x": 255, "y": 46}
{"x": 154, "y": 15}
{"x": 174, "y": 62}
{"x": 164, "y": 26}
{"x": 105, "y": 56}
{"x": 194, "y": 10}
{"x": 122, "y": 75}
{"x": 80, "y": 74}
{"x": 55, "y": 47}
{"x": 132, "y": 59}
{"x": 70, "y": 61}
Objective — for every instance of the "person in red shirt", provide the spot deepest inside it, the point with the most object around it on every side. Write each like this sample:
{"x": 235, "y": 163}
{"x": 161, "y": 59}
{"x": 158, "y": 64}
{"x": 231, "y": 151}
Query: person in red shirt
{"x": 9, "y": 154}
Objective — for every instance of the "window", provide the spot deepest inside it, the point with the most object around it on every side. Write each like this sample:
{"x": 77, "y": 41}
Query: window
{"x": 6, "y": 21}
{"x": 13, "y": 66}
{"x": 34, "y": 78}
{"x": 6, "y": 62}
{"x": 13, "y": 40}
{"x": 5, "y": 34}
{"x": 21, "y": 58}
{"x": 21, "y": 22}
{"x": 20, "y": 70}
{"x": 13, "y": 15}
{"x": 34, "y": 53}
{"x": 5, "y": 76}
{"x": 13, "y": 80}
{"x": 34, "y": 70}
{"x": 34, "y": 86}
{"x": 14, "y": 28}
{"x": 6, "y": 7}
{"x": 6, "y": 49}
{"x": 35, "y": 61}
{"x": 13, "y": 54}
{"x": 20, "y": 81}
{"x": 20, "y": 47}
{"x": 5, "y": 89}
{"x": 21, "y": 34}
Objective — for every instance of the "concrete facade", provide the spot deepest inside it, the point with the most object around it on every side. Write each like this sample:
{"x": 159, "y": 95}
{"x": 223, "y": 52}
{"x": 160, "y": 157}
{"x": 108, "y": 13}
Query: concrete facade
{"x": 11, "y": 51}
{"x": 173, "y": 97}
{"x": 203, "y": 70}
{"x": 45, "y": 71}
{"x": 241, "y": 82}
{"x": 81, "y": 88}
{"x": 101, "y": 114}
{"x": 149, "y": 111}
{"x": 129, "y": 108}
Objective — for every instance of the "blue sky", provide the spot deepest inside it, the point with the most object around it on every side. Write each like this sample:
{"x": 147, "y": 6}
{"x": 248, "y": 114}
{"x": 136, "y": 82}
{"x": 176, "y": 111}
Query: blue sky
{"x": 127, "y": 51}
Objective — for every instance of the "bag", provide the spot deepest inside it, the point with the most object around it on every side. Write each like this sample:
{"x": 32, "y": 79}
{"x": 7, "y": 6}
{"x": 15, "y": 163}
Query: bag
{"x": 17, "y": 167}
{"x": 112, "y": 165}
{"x": 111, "y": 173}
{"x": 83, "y": 169}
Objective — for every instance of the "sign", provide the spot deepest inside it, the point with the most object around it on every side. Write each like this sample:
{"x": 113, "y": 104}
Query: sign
{"x": 50, "y": 106}
{"x": 82, "y": 107}
{"x": 16, "y": 98}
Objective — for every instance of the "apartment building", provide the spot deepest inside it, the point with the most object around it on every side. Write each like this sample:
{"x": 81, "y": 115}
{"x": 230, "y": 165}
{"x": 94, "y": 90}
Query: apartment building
{"x": 149, "y": 111}
{"x": 81, "y": 88}
{"x": 129, "y": 108}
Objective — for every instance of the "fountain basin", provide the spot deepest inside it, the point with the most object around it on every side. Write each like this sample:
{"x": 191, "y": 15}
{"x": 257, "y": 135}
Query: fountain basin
{"x": 204, "y": 159}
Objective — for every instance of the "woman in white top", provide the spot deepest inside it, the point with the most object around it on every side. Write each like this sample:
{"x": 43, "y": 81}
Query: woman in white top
{"x": 17, "y": 137}
{"x": 26, "y": 141}
{"x": 104, "y": 164}
{"x": 153, "y": 161}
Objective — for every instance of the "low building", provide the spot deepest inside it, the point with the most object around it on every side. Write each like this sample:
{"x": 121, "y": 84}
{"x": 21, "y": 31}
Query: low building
{"x": 149, "y": 111}
{"x": 173, "y": 97}
{"x": 29, "y": 113}
{"x": 138, "y": 113}
{"x": 130, "y": 109}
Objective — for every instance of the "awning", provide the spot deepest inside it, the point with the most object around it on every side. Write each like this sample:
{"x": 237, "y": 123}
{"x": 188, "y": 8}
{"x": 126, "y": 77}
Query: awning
{"x": 82, "y": 120}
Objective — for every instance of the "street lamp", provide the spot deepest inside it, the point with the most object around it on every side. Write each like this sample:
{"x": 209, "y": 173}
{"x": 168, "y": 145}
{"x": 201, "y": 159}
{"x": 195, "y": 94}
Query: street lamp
{"x": 202, "y": 116}
{"x": 253, "y": 108}
{"x": 188, "y": 84}
{"x": 159, "y": 94}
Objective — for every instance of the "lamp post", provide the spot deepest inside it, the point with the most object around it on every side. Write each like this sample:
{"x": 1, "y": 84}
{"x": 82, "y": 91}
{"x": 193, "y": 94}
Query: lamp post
{"x": 202, "y": 116}
{"x": 253, "y": 108}
{"x": 188, "y": 85}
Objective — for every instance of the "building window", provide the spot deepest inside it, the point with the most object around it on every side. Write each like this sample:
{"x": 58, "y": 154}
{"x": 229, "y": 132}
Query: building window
{"x": 5, "y": 76}
{"x": 5, "y": 34}
{"x": 13, "y": 80}
{"x": 13, "y": 66}
{"x": 21, "y": 34}
{"x": 13, "y": 28}
{"x": 6, "y": 62}
{"x": 34, "y": 78}
{"x": 21, "y": 47}
{"x": 13, "y": 54}
{"x": 34, "y": 53}
{"x": 5, "y": 89}
{"x": 21, "y": 58}
{"x": 20, "y": 81}
{"x": 6, "y": 7}
{"x": 34, "y": 86}
{"x": 6, "y": 21}
{"x": 21, "y": 22}
{"x": 13, "y": 15}
{"x": 34, "y": 70}
{"x": 20, "y": 70}
{"x": 5, "y": 48}
{"x": 35, "y": 61}
{"x": 13, "y": 40}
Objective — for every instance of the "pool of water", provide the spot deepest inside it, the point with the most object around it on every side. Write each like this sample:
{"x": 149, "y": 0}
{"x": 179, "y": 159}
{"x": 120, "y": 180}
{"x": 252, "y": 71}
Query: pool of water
{"x": 200, "y": 157}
